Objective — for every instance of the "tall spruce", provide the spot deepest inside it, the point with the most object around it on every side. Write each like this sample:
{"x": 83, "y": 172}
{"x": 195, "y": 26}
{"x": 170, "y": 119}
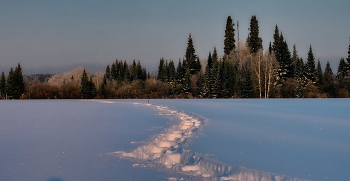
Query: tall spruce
{"x": 10, "y": 83}
{"x": 328, "y": 74}
{"x": 319, "y": 74}
{"x": 276, "y": 41}
{"x": 171, "y": 72}
{"x": 342, "y": 69}
{"x": 87, "y": 88}
{"x": 295, "y": 60}
{"x": 348, "y": 59}
{"x": 310, "y": 69}
{"x": 284, "y": 58}
{"x": 2, "y": 85}
{"x": 215, "y": 56}
{"x": 108, "y": 73}
{"x": 20, "y": 85}
{"x": 254, "y": 42}
{"x": 191, "y": 62}
{"x": 229, "y": 42}
{"x": 15, "y": 86}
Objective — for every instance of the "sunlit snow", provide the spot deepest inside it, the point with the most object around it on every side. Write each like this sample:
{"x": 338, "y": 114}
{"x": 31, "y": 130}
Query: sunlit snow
{"x": 247, "y": 140}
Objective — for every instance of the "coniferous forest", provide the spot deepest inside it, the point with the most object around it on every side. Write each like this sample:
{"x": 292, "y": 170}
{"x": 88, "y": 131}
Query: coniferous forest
{"x": 246, "y": 70}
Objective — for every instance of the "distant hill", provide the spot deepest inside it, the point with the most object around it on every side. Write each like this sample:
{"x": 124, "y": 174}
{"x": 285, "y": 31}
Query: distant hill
{"x": 39, "y": 77}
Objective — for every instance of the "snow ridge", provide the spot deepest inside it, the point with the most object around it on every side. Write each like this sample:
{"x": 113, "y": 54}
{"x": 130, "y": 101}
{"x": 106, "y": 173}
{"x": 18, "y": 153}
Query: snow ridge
{"x": 166, "y": 151}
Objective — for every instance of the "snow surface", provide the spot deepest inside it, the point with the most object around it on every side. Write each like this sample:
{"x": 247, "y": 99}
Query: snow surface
{"x": 250, "y": 139}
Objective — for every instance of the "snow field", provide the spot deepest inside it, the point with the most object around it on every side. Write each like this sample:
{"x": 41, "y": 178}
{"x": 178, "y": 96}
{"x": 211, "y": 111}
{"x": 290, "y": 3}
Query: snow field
{"x": 167, "y": 149}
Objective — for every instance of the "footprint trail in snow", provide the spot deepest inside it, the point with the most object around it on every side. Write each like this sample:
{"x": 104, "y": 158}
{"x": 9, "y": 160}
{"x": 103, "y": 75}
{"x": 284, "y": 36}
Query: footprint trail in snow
{"x": 166, "y": 151}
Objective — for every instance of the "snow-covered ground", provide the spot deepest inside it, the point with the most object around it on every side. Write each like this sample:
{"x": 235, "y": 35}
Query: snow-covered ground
{"x": 251, "y": 139}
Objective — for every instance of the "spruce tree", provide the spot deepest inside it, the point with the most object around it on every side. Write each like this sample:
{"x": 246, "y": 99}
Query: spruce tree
{"x": 342, "y": 69}
{"x": 84, "y": 88}
{"x": 180, "y": 73}
{"x": 254, "y": 42}
{"x": 295, "y": 60}
{"x": 171, "y": 72}
{"x": 310, "y": 70}
{"x": 108, "y": 73}
{"x": 348, "y": 59}
{"x": 102, "y": 90}
{"x": 2, "y": 85}
{"x": 328, "y": 74}
{"x": 229, "y": 42}
{"x": 214, "y": 56}
{"x": 284, "y": 58}
{"x": 15, "y": 83}
{"x": 190, "y": 62}
{"x": 210, "y": 61}
{"x": 276, "y": 41}
{"x": 113, "y": 72}
{"x": 10, "y": 83}
{"x": 87, "y": 88}
{"x": 19, "y": 81}
{"x": 319, "y": 74}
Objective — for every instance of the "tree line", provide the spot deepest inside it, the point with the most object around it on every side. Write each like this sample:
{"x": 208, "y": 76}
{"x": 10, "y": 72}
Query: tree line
{"x": 244, "y": 71}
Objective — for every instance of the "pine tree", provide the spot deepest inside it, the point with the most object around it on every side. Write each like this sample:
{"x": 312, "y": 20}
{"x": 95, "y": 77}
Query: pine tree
{"x": 319, "y": 74}
{"x": 248, "y": 90}
{"x": 254, "y": 42}
{"x": 276, "y": 42}
{"x": 10, "y": 83}
{"x": 215, "y": 56}
{"x": 328, "y": 74}
{"x": 87, "y": 88}
{"x": 180, "y": 73}
{"x": 15, "y": 86}
{"x": 342, "y": 70}
{"x": 2, "y": 85}
{"x": 295, "y": 60}
{"x": 171, "y": 72}
{"x": 191, "y": 62}
{"x": 102, "y": 90}
{"x": 348, "y": 59}
{"x": 310, "y": 70}
{"x": 108, "y": 73}
{"x": 283, "y": 56}
{"x": 229, "y": 42}
{"x": 286, "y": 63}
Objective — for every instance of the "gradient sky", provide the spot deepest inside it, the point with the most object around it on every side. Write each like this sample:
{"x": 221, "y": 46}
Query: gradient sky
{"x": 48, "y": 36}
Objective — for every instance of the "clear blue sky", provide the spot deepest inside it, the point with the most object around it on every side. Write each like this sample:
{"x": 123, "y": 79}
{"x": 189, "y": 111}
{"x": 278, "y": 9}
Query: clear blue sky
{"x": 57, "y": 36}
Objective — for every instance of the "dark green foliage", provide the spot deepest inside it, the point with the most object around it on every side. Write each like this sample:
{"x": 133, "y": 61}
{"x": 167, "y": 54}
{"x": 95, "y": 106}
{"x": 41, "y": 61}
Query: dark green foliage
{"x": 348, "y": 59}
{"x": 102, "y": 90}
{"x": 276, "y": 40}
{"x": 171, "y": 72}
{"x": 248, "y": 90}
{"x": 229, "y": 42}
{"x": 283, "y": 56}
{"x": 229, "y": 79}
{"x": 310, "y": 70}
{"x": 108, "y": 72}
{"x": 166, "y": 71}
{"x": 180, "y": 73}
{"x": 319, "y": 74}
{"x": 15, "y": 86}
{"x": 254, "y": 42}
{"x": 2, "y": 85}
{"x": 215, "y": 56}
{"x": 342, "y": 69}
{"x": 87, "y": 89}
{"x": 191, "y": 63}
{"x": 328, "y": 74}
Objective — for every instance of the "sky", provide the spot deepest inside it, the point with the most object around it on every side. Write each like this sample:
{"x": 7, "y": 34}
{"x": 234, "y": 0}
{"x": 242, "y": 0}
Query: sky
{"x": 48, "y": 36}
